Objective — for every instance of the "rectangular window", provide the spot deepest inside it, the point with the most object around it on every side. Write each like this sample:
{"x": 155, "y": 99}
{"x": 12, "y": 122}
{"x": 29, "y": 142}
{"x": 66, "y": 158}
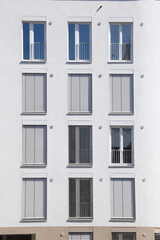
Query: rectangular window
{"x": 34, "y": 145}
{"x": 34, "y": 41}
{"x": 80, "y": 93}
{"x": 80, "y": 198}
{"x": 34, "y": 203}
{"x": 121, "y": 42}
{"x": 34, "y": 93}
{"x": 79, "y": 42}
{"x": 123, "y": 236}
{"x": 123, "y": 198}
{"x": 121, "y": 146}
{"x": 122, "y": 93}
{"x": 157, "y": 236}
{"x": 80, "y": 145}
{"x": 80, "y": 236}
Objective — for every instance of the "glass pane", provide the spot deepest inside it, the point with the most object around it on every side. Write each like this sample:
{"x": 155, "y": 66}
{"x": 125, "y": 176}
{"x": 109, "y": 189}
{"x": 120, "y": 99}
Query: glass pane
{"x": 157, "y": 236}
{"x": 127, "y": 145}
{"x": 85, "y": 145}
{"x": 72, "y": 197}
{"x": 84, "y": 41}
{"x": 18, "y": 237}
{"x": 115, "y": 236}
{"x": 39, "y": 41}
{"x": 115, "y": 42}
{"x": 72, "y": 154}
{"x": 26, "y": 41}
{"x": 115, "y": 136}
{"x": 71, "y": 41}
{"x": 129, "y": 236}
{"x": 85, "y": 198}
{"x": 126, "y": 42}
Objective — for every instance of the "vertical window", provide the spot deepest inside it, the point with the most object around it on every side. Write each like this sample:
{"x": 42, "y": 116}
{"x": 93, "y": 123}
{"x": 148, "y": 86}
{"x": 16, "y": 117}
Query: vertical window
{"x": 79, "y": 42}
{"x": 157, "y": 236}
{"x": 34, "y": 198}
{"x": 80, "y": 93}
{"x": 34, "y": 93}
{"x": 33, "y": 41}
{"x": 34, "y": 145}
{"x": 123, "y": 198}
{"x": 122, "y": 93}
{"x": 80, "y": 198}
{"x": 80, "y": 145}
{"x": 80, "y": 236}
{"x": 121, "y": 42}
{"x": 121, "y": 146}
{"x": 123, "y": 236}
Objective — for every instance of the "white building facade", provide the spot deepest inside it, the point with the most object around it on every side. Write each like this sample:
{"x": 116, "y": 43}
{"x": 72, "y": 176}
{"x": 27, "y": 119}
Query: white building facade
{"x": 79, "y": 103}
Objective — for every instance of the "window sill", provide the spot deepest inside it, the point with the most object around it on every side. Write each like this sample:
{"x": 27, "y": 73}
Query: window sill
{"x": 79, "y": 61}
{"x": 79, "y": 113}
{"x": 122, "y": 220}
{"x": 120, "y": 61}
{"x": 80, "y": 219}
{"x": 74, "y": 165}
{"x": 34, "y": 113}
{"x": 34, "y": 166}
{"x": 34, "y": 220}
{"x": 33, "y": 61}
{"x": 121, "y": 166}
{"x": 121, "y": 113}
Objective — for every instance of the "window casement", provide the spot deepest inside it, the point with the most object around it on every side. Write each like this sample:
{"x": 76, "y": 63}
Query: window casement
{"x": 34, "y": 93}
{"x": 124, "y": 236}
{"x": 157, "y": 236}
{"x": 80, "y": 93}
{"x": 121, "y": 93}
{"x": 34, "y": 145}
{"x": 121, "y": 42}
{"x": 80, "y": 145}
{"x": 81, "y": 236}
{"x": 122, "y": 146}
{"x": 34, "y": 203}
{"x": 79, "y": 40}
{"x": 34, "y": 41}
{"x": 122, "y": 199}
{"x": 18, "y": 237}
{"x": 80, "y": 198}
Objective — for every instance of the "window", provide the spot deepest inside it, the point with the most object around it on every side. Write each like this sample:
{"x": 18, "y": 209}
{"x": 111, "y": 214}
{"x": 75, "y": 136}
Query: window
{"x": 123, "y": 236}
{"x": 121, "y": 42}
{"x": 34, "y": 198}
{"x": 34, "y": 145}
{"x": 123, "y": 198}
{"x": 79, "y": 42}
{"x": 34, "y": 41}
{"x": 80, "y": 145}
{"x": 34, "y": 93}
{"x": 17, "y": 237}
{"x": 80, "y": 93}
{"x": 80, "y": 198}
{"x": 80, "y": 236}
{"x": 157, "y": 236}
{"x": 122, "y": 93}
{"x": 121, "y": 146}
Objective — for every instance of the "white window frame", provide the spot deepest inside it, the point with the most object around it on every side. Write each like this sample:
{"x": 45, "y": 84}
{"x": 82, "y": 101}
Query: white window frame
{"x": 120, "y": 40}
{"x": 31, "y": 31}
{"x": 121, "y": 164}
{"x": 77, "y": 41}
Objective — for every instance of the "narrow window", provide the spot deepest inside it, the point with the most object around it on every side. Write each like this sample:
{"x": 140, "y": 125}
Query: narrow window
{"x": 81, "y": 236}
{"x": 34, "y": 145}
{"x": 34, "y": 198}
{"x": 80, "y": 145}
{"x": 80, "y": 198}
{"x": 80, "y": 93}
{"x": 79, "y": 42}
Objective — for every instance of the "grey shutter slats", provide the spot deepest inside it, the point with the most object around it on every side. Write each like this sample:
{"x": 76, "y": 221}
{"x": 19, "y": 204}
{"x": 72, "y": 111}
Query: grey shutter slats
{"x": 34, "y": 93}
{"x": 34, "y": 144}
{"x": 80, "y": 93}
{"x": 34, "y": 198}
{"x": 122, "y": 92}
{"x": 122, "y": 191}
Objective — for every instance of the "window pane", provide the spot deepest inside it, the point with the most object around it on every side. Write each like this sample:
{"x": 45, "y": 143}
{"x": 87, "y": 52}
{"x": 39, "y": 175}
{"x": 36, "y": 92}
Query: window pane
{"x": 157, "y": 236}
{"x": 83, "y": 41}
{"x": 72, "y": 197}
{"x": 115, "y": 138}
{"x": 114, "y": 42}
{"x": 39, "y": 41}
{"x": 85, "y": 198}
{"x": 72, "y": 146}
{"x": 127, "y": 145}
{"x": 71, "y": 41}
{"x": 126, "y": 42}
{"x": 85, "y": 145}
{"x": 26, "y": 42}
{"x": 123, "y": 236}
